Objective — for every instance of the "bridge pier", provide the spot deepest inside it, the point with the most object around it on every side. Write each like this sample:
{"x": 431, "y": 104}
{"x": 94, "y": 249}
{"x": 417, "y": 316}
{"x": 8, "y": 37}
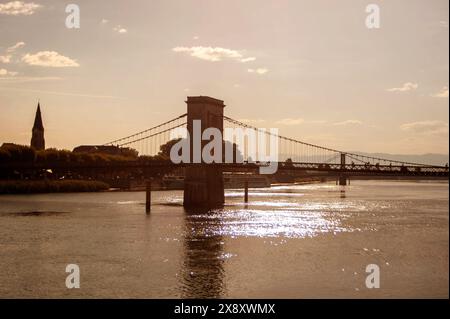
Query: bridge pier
{"x": 148, "y": 196}
{"x": 203, "y": 185}
{"x": 342, "y": 179}
{"x": 246, "y": 190}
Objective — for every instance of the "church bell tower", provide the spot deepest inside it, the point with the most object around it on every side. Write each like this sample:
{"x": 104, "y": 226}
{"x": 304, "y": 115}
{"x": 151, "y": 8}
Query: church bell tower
{"x": 37, "y": 139}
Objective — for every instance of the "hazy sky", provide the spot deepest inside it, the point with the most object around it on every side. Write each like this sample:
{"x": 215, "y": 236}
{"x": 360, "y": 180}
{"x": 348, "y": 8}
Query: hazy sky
{"x": 311, "y": 68}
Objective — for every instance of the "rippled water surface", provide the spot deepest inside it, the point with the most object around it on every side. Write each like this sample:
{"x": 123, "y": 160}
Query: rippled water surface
{"x": 288, "y": 241}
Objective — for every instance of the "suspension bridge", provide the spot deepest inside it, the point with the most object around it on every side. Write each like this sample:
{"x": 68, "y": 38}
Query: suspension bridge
{"x": 203, "y": 182}
{"x": 292, "y": 153}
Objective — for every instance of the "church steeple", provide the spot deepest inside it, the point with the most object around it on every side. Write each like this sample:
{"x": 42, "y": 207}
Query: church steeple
{"x": 37, "y": 139}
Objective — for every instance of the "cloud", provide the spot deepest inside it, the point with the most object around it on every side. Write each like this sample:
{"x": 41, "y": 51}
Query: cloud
{"x": 120, "y": 29}
{"x": 16, "y": 46}
{"x": 9, "y": 52}
{"x": 408, "y": 86}
{"x": 317, "y": 121}
{"x": 290, "y": 121}
{"x": 15, "y": 8}
{"x": 348, "y": 122}
{"x": 426, "y": 127}
{"x": 214, "y": 54}
{"x": 49, "y": 59}
{"x": 5, "y": 58}
{"x": 251, "y": 120}
{"x": 249, "y": 59}
{"x": 4, "y": 72}
{"x": 258, "y": 71}
{"x": 443, "y": 93}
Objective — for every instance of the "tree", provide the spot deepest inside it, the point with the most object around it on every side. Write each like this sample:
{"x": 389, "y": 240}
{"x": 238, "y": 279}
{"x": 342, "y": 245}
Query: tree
{"x": 164, "y": 152}
{"x": 17, "y": 153}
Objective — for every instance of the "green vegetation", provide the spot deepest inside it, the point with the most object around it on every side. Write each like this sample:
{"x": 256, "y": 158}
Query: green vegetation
{"x": 21, "y": 153}
{"x": 54, "y": 180}
{"x": 73, "y": 174}
{"x": 50, "y": 186}
{"x": 13, "y": 153}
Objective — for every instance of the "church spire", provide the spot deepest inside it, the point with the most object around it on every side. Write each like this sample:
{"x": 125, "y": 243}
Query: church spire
{"x": 38, "y": 119}
{"x": 37, "y": 139}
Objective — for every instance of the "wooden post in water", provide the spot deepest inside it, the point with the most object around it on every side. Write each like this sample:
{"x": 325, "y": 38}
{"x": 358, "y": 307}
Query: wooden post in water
{"x": 148, "y": 196}
{"x": 246, "y": 190}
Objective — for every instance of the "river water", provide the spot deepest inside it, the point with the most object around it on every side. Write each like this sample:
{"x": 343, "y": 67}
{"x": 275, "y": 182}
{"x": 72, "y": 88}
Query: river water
{"x": 302, "y": 241}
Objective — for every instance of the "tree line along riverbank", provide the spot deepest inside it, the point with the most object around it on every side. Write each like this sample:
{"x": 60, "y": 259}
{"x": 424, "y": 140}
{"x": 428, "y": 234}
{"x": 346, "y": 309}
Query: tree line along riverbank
{"x": 53, "y": 181}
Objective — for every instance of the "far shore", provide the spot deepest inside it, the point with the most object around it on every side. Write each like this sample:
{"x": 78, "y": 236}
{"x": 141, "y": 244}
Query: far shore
{"x": 77, "y": 186}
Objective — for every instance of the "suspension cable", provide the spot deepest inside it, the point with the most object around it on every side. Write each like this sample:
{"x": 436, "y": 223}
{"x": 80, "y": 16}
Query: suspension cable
{"x": 318, "y": 146}
{"x": 145, "y": 131}
{"x": 152, "y": 135}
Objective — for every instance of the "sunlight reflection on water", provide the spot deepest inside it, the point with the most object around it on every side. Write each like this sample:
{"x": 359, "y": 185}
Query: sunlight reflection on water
{"x": 266, "y": 223}
{"x": 271, "y": 241}
{"x": 279, "y": 211}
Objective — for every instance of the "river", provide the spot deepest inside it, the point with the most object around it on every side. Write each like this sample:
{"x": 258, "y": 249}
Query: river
{"x": 297, "y": 241}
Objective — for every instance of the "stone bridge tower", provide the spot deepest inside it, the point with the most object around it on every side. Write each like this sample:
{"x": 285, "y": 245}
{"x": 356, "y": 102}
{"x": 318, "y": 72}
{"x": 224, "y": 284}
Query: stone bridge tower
{"x": 203, "y": 185}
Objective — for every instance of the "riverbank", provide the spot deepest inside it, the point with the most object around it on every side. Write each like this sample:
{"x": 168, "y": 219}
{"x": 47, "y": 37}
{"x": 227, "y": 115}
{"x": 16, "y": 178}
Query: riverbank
{"x": 51, "y": 186}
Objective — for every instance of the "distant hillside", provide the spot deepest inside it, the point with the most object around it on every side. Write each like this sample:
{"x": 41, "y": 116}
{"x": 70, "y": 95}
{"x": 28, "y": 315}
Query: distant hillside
{"x": 432, "y": 159}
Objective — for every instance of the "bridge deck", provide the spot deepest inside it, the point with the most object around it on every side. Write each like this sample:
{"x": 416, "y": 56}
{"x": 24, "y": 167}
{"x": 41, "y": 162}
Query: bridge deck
{"x": 348, "y": 169}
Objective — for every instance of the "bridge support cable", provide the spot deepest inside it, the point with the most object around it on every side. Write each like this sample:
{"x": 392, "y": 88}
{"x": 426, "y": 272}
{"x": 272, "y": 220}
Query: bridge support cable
{"x": 148, "y": 142}
{"x": 300, "y": 151}
{"x": 145, "y": 132}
